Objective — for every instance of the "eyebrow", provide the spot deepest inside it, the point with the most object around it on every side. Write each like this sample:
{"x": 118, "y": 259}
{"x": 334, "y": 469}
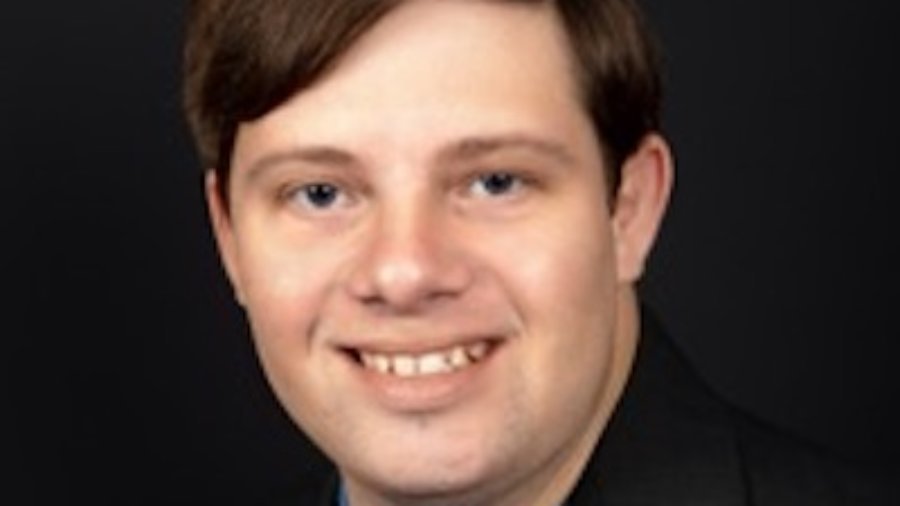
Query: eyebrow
{"x": 463, "y": 150}
{"x": 471, "y": 148}
{"x": 316, "y": 155}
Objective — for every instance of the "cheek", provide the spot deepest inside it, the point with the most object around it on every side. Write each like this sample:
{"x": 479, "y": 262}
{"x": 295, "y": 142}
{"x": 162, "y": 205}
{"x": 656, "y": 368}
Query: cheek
{"x": 559, "y": 272}
{"x": 560, "y": 278}
{"x": 284, "y": 298}
{"x": 283, "y": 294}
{"x": 569, "y": 301}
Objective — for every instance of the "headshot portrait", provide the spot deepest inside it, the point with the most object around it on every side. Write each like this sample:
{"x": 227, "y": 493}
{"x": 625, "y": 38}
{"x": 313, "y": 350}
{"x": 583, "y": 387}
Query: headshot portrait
{"x": 455, "y": 252}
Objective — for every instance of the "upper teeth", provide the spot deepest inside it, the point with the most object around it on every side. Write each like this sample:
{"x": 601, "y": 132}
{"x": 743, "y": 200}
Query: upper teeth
{"x": 436, "y": 362}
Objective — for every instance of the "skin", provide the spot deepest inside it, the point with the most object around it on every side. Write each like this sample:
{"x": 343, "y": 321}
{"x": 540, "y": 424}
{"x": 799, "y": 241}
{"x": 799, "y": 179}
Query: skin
{"x": 461, "y": 201}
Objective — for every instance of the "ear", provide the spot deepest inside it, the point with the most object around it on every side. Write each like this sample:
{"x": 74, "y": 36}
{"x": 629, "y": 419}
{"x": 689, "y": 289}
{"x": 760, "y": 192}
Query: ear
{"x": 640, "y": 204}
{"x": 223, "y": 231}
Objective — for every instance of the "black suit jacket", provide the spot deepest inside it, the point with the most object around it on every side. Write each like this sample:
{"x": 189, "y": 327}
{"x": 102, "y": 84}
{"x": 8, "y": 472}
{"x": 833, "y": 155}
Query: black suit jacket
{"x": 673, "y": 442}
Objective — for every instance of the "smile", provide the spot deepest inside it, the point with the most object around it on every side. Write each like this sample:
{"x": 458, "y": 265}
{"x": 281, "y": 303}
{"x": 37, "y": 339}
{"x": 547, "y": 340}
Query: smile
{"x": 408, "y": 365}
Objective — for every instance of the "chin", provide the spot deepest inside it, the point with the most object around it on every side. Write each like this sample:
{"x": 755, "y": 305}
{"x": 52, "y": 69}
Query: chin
{"x": 446, "y": 467}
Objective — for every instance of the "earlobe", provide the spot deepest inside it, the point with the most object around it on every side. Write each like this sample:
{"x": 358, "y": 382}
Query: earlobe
{"x": 223, "y": 231}
{"x": 640, "y": 204}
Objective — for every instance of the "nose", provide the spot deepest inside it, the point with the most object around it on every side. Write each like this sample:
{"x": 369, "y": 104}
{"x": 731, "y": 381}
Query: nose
{"x": 410, "y": 261}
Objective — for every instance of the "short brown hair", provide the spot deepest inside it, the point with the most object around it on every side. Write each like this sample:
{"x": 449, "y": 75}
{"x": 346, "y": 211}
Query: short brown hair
{"x": 243, "y": 58}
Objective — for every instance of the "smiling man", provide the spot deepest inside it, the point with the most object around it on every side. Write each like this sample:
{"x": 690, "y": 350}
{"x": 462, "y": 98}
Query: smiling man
{"x": 434, "y": 214}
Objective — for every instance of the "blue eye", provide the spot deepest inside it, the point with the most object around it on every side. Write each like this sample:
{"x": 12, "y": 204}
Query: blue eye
{"x": 496, "y": 183}
{"x": 318, "y": 195}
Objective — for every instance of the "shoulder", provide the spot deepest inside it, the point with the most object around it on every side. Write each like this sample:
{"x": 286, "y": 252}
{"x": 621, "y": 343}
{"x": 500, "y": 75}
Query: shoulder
{"x": 781, "y": 468}
{"x": 673, "y": 439}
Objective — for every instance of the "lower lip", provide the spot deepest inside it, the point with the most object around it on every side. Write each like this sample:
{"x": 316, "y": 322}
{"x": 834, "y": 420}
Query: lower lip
{"x": 427, "y": 393}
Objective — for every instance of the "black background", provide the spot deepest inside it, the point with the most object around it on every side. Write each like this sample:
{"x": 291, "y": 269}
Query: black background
{"x": 128, "y": 375}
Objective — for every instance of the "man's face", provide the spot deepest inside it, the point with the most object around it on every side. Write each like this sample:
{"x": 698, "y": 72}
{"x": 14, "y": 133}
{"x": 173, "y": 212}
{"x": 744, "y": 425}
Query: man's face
{"x": 423, "y": 243}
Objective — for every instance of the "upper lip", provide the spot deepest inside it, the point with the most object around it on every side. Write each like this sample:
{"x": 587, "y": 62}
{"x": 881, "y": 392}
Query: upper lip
{"x": 415, "y": 345}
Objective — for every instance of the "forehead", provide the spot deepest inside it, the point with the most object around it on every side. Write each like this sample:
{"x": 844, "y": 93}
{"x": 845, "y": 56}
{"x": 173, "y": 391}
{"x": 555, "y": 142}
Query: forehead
{"x": 477, "y": 36}
{"x": 435, "y": 71}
